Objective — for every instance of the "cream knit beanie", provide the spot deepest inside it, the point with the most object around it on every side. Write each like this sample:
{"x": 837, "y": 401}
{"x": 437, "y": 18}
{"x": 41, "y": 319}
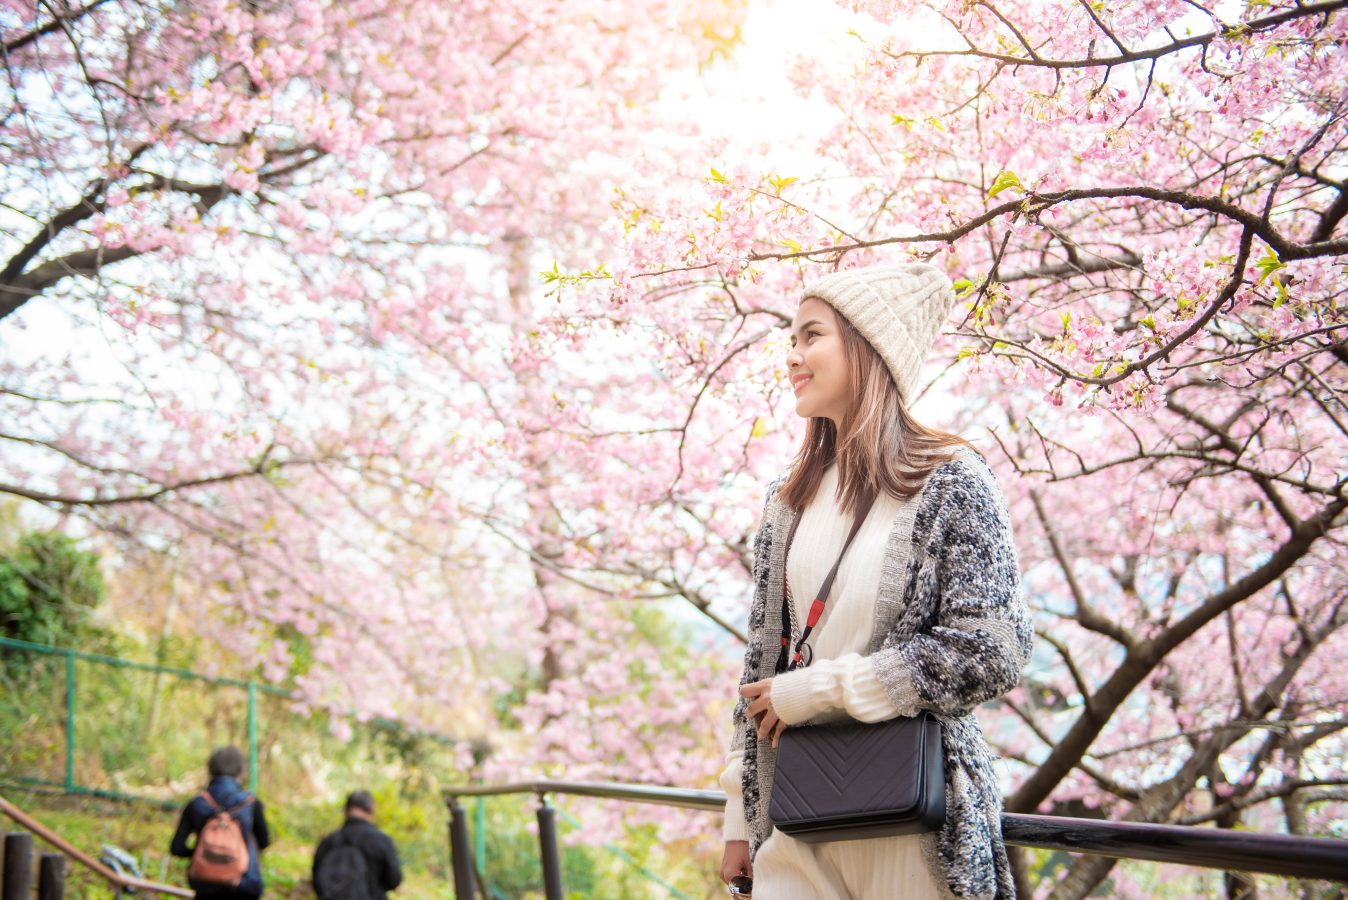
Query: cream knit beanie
{"x": 898, "y": 309}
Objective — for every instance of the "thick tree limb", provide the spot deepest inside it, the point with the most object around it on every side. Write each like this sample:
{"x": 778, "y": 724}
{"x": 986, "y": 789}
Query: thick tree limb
{"x": 1160, "y": 801}
{"x": 1331, "y": 217}
{"x": 17, "y": 287}
{"x": 57, "y": 24}
{"x": 1138, "y": 664}
{"x": 87, "y": 263}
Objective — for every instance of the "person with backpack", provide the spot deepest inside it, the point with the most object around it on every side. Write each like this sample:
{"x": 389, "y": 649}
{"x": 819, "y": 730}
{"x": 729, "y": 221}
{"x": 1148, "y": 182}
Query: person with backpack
{"x": 231, "y": 833}
{"x": 358, "y": 861}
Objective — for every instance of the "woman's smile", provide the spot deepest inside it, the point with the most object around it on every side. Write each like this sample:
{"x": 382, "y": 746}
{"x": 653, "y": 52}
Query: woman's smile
{"x": 818, "y": 362}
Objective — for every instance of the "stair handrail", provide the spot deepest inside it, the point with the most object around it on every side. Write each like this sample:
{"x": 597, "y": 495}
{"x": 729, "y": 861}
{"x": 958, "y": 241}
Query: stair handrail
{"x": 1287, "y": 855}
{"x": 84, "y": 859}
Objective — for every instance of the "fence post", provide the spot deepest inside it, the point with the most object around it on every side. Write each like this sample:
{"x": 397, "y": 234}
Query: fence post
{"x": 70, "y": 721}
{"x": 547, "y": 846}
{"x": 460, "y": 853}
{"x": 480, "y": 835}
{"x": 252, "y": 737}
{"x": 18, "y": 876}
{"x": 51, "y": 877}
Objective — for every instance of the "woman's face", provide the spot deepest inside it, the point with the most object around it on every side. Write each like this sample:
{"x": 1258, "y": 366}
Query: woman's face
{"x": 817, "y": 362}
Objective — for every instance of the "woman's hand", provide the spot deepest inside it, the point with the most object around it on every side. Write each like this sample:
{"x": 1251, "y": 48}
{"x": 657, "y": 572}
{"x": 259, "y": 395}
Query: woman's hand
{"x": 760, "y": 709}
{"x": 735, "y": 861}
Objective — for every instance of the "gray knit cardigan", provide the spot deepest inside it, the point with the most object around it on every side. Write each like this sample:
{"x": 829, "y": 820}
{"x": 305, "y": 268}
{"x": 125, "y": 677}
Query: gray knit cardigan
{"x": 951, "y": 631}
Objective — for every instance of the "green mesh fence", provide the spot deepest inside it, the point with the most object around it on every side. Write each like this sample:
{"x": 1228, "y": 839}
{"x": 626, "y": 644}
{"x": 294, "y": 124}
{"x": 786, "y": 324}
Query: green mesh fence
{"x": 102, "y": 725}
{"x": 95, "y": 725}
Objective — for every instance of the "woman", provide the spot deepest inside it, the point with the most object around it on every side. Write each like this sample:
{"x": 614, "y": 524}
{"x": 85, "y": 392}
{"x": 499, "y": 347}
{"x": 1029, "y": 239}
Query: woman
{"x": 925, "y": 612}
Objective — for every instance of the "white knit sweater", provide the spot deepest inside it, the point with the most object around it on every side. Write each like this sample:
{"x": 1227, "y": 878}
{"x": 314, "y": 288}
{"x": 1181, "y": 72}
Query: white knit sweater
{"x": 840, "y": 682}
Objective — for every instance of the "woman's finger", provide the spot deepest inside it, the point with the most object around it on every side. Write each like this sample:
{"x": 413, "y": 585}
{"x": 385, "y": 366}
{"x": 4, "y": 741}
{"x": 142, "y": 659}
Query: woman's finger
{"x": 754, "y": 688}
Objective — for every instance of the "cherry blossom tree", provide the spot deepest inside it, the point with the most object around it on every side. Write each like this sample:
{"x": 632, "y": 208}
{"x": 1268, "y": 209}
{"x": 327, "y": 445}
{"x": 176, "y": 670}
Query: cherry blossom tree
{"x": 262, "y": 312}
{"x": 268, "y": 307}
{"x": 1143, "y": 207}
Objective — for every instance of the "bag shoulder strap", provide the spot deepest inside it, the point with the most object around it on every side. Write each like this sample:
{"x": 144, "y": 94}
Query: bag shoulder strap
{"x": 242, "y": 804}
{"x": 231, "y": 811}
{"x": 820, "y": 597}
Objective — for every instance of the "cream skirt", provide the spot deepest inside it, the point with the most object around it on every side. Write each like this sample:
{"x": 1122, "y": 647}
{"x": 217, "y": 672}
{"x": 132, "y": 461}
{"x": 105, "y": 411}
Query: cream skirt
{"x": 888, "y": 868}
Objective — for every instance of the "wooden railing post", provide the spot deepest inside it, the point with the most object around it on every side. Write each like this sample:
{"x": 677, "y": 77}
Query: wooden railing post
{"x": 118, "y": 881}
{"x": 547, "y": 846}
{"x": 51, "y": 877}
{"x": 460, "y": 851}
{"x": 18, "y": 877}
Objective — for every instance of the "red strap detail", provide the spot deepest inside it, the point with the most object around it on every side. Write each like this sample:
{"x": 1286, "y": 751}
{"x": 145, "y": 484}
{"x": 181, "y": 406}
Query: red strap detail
{"x": 816, "y": 610}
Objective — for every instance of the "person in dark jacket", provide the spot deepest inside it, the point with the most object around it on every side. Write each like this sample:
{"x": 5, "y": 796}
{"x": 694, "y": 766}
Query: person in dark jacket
{"x": 226, "y": 767}
{"x": 382, "y": 871}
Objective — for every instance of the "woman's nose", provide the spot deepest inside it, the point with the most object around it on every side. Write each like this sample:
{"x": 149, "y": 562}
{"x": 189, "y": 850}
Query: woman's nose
{"x": 794, "y": 358}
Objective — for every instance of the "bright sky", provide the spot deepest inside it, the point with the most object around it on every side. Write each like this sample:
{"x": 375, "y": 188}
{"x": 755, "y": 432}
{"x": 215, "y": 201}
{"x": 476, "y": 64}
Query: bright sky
{"x": 751, "y": 95}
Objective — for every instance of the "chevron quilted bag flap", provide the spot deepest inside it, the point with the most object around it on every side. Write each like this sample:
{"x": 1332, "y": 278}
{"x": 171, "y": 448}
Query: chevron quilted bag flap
{"x": 855, "y": 780}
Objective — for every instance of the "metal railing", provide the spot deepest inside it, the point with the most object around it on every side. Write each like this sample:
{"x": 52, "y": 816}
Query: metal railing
{"x": 51, "y": 877}
{"x": 71, "y": 656}
{"x": 1291, "y": 856}
{"x": 254, "y": 694}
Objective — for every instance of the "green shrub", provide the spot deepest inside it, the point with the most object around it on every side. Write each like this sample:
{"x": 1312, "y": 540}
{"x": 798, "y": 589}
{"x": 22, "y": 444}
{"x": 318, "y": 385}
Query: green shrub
{"x": 48, "y": 587}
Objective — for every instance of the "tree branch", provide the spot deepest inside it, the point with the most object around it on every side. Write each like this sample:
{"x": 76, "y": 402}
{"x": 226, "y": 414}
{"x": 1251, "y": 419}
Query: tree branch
{"x": 1086, "y": 614}
{"x": 1035, "y": 203}
{"x": 1236, "y": 449}
{"x": 1079, "y": 267}
{"x": 1300, "y": 11}
{"x": 18, "y": 287}
{"x": 57, "y": 24}
{"x": 1138, "y": 665}
{"x": 263, "y": 466}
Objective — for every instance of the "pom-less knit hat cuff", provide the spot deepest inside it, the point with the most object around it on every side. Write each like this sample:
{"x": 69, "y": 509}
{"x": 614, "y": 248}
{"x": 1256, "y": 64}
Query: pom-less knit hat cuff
{"x": 897, "y": 309}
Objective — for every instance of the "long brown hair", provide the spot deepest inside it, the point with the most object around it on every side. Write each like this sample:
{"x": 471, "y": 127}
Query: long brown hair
{"x": 879, "y": 446}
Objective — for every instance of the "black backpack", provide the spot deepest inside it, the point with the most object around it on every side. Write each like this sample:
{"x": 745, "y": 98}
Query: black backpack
{"x": 343, "y": 874}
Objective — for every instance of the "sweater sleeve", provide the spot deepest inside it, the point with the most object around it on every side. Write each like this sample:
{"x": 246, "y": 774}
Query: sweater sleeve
{"x": 179, "y": 845}
{"x": 980, "y": 638}
{"x": 736, "y": 826}
{"x": 322, "y": 851}
{"x": 390, "y": 871}
{"x": 848, "y": 683}
{"x": 261, "y": 834}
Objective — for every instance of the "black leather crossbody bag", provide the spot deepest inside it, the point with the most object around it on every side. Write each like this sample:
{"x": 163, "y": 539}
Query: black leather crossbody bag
{"x": 853, "y": 780}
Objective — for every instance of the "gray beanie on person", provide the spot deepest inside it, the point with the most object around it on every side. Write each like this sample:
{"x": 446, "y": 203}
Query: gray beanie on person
{"x": 897, "y": 308}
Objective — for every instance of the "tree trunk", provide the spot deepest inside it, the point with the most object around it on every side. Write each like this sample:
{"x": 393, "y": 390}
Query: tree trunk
{"x": 547, "y": 547}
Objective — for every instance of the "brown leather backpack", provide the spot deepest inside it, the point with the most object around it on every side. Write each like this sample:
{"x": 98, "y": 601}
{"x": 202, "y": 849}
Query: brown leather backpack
{"x": 221, "y": 854}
